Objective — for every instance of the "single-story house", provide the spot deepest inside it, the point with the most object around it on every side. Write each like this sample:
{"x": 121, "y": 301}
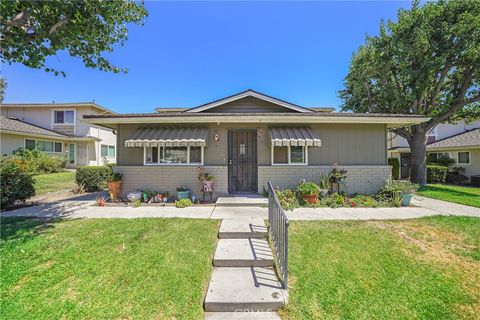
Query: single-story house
{"x": 248, "y": 139}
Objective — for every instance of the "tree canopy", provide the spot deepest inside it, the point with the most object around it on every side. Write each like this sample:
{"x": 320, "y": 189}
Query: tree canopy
{"x": 428, "y": 63}
{"x": 33, "y": 30}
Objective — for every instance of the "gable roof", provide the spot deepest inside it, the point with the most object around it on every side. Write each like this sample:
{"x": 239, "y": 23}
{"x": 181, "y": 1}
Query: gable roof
{"x": 469, "y": 138}
{"x": 249, "y": 93}
{"x": 14, "y": 125}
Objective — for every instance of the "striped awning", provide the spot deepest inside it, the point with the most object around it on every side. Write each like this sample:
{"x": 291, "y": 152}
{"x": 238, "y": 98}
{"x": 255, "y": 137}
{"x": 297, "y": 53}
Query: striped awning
{"x": 168, "y": 136}
{"x": 294, "y": 136}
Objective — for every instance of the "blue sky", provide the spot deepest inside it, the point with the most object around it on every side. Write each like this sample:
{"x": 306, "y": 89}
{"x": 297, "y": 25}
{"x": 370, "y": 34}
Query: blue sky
{"x": 189, "y": 53}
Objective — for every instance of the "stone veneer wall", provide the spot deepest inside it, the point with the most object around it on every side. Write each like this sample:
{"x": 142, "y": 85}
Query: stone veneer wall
{"x": 168, "y": 178}
{"x": 360, "y": 179}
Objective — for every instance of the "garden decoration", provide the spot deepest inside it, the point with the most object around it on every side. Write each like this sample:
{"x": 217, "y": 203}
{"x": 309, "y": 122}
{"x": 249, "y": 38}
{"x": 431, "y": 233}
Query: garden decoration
{"x": 206, "y": 181}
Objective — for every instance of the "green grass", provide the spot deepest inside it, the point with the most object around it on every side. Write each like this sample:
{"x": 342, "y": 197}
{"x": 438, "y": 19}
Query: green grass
{"x": 105, "y": 269}
{"x": 384, "y": 270}
{"x": 54, "y": 182}
{"x": 469, "y": 196}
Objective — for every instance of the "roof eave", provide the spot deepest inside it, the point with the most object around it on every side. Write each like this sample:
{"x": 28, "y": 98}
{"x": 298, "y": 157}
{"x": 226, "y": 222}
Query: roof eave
{"x": 391, "y": 122}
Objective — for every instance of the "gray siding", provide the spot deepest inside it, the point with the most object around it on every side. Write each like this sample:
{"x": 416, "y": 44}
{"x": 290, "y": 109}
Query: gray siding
{"x": 344, "y": 144}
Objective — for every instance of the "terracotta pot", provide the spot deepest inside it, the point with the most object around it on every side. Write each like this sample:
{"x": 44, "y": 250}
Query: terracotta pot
{"x": 114, "y": 188}
{"x": 311, "y": 198}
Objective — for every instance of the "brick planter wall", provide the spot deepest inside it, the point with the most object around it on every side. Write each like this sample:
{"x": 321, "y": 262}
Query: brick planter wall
{"x": 360, "y": 179}
{"x": 168, "y": 178}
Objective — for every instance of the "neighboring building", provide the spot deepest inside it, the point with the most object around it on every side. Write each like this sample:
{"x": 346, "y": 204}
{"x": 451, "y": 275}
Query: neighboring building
{"x": 460, "y": 141}
{"x": 58, "y": 128}
{"x": 248, "y": 139}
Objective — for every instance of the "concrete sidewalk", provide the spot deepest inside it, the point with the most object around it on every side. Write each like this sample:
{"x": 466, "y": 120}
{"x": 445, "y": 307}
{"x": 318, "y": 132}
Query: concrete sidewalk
{"x": 83, "y": 207}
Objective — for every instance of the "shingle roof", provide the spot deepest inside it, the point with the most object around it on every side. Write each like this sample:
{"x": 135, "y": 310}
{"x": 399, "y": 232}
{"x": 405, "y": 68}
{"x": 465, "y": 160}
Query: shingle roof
{"x": 15, "y": 125}
{"x": 469, "y": 138}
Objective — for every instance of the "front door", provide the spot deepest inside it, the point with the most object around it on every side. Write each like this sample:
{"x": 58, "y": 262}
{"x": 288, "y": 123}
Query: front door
{"x": 71, "y": 153}
{"x": 404, "y": 165}
{"x": 242, "y": 161}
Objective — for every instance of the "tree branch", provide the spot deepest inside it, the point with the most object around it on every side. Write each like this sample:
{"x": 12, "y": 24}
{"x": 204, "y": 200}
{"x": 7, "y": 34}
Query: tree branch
{"x": 438, "y": 87}
{"x": 58, "y": 25}
{"x": 402, "y": 132}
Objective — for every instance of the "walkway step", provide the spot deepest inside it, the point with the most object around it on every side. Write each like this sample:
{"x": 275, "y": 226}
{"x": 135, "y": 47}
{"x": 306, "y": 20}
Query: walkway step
{"x": 249, "y": 252}
{"x": 252, "y": 289}
{"x": 238, "y": 229}
{"x": 242, "y": 315}
{"x": 242, "y": 201}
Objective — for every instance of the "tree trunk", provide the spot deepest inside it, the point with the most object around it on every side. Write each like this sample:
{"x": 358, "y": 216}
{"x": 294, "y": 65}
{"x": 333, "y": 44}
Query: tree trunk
{"x": 418, "y": 155}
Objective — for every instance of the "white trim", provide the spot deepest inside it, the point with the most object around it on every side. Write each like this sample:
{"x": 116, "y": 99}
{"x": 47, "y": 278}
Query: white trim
{"x": 54, "y": 141}
{"x": 173, "y": 164}
{"x": 108, "y": 147}
{"x": 289, "y": 163}
{"x": 454, "y": 156}
{"x": 249, "y": 93}
{"x": 295, "y": 118}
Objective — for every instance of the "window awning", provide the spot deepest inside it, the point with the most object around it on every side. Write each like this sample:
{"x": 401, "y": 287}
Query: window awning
{"x": 294, "y": 136}
{"x": 169, "y": 137}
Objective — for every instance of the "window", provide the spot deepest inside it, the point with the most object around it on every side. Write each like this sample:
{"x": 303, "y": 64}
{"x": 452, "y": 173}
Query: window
{"x": 64, "y": 117}
{"x": 29, "y": 144}
{"x": 173, "y": 155}
{"x": 111, "y": 151}
{"x": 463, "y": 157}
{"x": 45, "y": 146}
{"x": 195, "y": 154}
{"x": 280, "y": 155}
{"x": 289, "y": 155}
{"x": 432, "y": 135}
{"x": 107, "y": 151}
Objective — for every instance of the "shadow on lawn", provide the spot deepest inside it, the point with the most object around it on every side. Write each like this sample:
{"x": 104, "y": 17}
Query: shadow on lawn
{"x": 24, "y": 227}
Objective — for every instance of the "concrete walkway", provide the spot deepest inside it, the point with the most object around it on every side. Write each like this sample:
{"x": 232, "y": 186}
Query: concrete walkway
{"x": 83, "y": 207}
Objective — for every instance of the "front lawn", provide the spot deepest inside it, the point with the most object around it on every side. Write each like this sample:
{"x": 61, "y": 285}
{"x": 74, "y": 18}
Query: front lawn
{"x": 105, "y": 269}
{"x": 415, "y": 269}
{"x": 51, "y": 182}
{"x": 469, "y": 196}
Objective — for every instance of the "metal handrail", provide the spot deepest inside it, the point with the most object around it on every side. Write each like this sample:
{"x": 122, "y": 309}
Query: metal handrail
{"x": 278, "y": 228}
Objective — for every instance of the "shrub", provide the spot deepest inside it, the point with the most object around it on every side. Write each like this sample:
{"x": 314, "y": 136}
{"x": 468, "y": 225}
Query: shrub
{"x": 393, "y": 186}
{"x": 49, "y": 163}
{"x": 445, "y": 160}
{"x": 457, "y": 176}
{"x": 365, "y": 201}
{"x": 35, "y": 161}
{"x": 395, "y": 163}
{"x": 15, "y": 185}
{"x": 307, "y": 188}
{"x": 436, "y": 173}
{"x": 183, "y": 203}
{"x": 287, "y": 198}
{"x": 334, "y": 200}
{"x": 93, "y": 178}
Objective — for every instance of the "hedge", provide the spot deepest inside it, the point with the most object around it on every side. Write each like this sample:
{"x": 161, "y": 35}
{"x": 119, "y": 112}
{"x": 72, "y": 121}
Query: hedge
{"x": 15, "y": 185}
{"x": 436, "y": 173}
{"x": 395, "y": 163}
{"x": 93, "y": 178}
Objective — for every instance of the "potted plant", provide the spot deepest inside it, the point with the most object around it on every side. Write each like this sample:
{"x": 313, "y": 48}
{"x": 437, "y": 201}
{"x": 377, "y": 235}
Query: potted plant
{"x": 183, "y": 193}
{"x": 309, "y": 191}
{"x": 114, "y": 182}
{"x": 206, "y": 179}
{"x": 324, "y": 185}
{"x": 407, "y": 189}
